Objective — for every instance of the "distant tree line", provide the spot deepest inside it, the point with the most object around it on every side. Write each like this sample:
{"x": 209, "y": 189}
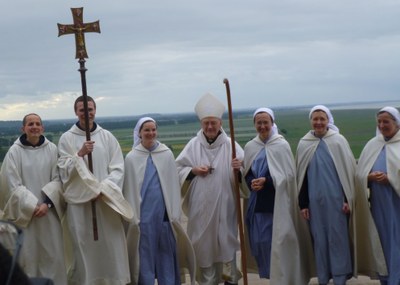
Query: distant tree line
{"x": 11, "y": 130}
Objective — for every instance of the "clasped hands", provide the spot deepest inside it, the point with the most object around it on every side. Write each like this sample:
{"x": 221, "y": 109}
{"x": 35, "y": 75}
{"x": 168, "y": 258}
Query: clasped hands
{"x": 257, "y": 184}
{"x": 379, "y": 177}
{"x": 204, "y": 170}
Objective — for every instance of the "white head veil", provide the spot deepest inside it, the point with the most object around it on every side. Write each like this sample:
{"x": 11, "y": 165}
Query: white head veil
{"x": 136, "y": 138}
{"x": 331, "y": 122}
{"x": 392, "y": 111}
{"x": 274, "y": 129}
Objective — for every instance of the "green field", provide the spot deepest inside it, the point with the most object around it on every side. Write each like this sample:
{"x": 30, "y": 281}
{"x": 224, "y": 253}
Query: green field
{"x": 357, "y": 125}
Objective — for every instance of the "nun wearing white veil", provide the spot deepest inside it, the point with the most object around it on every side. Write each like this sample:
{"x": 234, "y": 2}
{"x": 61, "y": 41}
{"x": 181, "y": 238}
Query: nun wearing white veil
{"x": 273, "y": 220}
{"x": 378, "y": 178}
{"x": 152, "y": 188}
{"x": 325, "y": 178}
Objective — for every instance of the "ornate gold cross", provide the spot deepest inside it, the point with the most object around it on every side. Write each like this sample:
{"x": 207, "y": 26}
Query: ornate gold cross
{"x": 79, "y": 29}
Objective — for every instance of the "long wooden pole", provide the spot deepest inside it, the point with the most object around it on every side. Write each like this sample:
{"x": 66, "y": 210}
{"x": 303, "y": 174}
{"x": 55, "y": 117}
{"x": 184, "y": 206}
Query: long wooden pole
{"x": 79, "y": 28}
{"x": 82, "y": 71}
{"x": 237, "y": 191}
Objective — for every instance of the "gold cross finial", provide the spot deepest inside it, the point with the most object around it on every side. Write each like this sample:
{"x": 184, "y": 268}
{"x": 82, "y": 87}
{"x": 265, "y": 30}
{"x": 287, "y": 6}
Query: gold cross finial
{"x": 79, "y": 29}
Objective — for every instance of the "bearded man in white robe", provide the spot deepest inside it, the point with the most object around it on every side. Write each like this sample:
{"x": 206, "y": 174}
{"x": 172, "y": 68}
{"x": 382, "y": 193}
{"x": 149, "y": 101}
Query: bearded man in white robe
{"x": 206, "y": 173}
{"x": 31, "y": 198}
{"x": 102, "y": 261}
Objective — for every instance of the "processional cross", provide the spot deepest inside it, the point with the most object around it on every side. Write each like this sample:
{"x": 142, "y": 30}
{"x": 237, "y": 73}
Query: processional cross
{"x": 79, "y": 29}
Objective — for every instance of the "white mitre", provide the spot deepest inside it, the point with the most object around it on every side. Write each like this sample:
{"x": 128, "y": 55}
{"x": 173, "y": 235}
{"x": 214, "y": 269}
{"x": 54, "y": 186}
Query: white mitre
{"x": 209, "y": 106}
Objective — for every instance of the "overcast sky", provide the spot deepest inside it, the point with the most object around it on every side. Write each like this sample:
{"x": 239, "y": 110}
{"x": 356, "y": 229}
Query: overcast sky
{"x": 160, "y": 56}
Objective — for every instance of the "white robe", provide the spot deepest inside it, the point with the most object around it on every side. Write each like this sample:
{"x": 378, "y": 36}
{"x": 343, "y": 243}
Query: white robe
{"x": 135, "y": 166}
{"x": 209, "y": 202}
{"x": 289, "y": 252}
{"x": 104, "y": 261}
{"x": 27, "y": 175}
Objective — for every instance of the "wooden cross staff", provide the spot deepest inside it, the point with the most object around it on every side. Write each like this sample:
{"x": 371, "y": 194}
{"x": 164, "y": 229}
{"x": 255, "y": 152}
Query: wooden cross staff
{"x": 79, "y": 29}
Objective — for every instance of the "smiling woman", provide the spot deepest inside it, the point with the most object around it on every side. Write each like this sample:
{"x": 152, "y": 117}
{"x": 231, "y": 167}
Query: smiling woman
{"x": 31, "y": 198}
{"x": 274, "y": 225}
{"x": 33, "y": 128}
{"x": 378, "y": 180}
{"x": 325, "y": 179}
{"x": 152, "y": 188}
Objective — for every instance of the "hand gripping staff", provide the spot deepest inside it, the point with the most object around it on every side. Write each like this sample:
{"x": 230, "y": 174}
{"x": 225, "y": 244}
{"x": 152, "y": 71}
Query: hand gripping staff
{"x": 237, "y": 192}
{"x": 79, "y": 29}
